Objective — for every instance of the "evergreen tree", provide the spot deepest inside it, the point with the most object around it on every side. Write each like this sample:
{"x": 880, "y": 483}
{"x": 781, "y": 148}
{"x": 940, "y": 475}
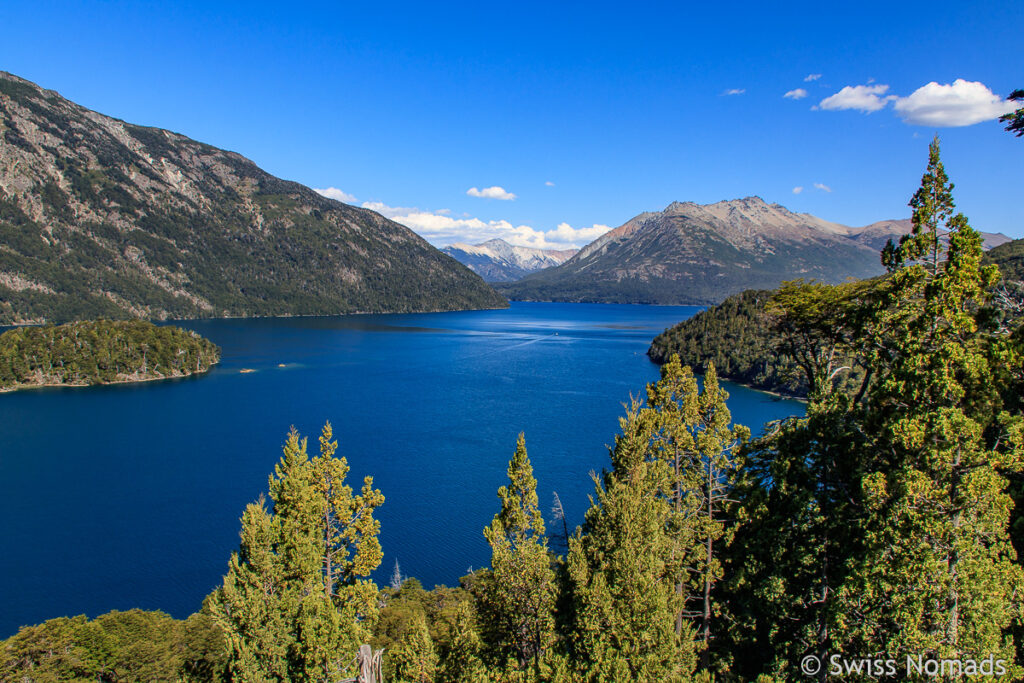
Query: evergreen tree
{"x": 798, "y": 528}
{"x": 694, "y": 437}
{"x": 518, "y": 596}
{"x": 462, "y": 663}
{"x": 293, "y": 604}
{"x": 415, "y": 660}
{"x": 1015, "y": 120}
{"x": 938, "y": 575}
{"x": 622, "y": 571}
{"x": 878, "y": 524}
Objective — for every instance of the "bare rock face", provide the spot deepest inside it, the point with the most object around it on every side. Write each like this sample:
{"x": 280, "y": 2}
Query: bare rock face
{"x": 99, "y": 217}
{"x": 498, "y": 261}
{"x": 700, "y": 254}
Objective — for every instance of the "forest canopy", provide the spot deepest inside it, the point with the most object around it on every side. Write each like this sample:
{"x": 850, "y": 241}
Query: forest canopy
{"x": 100, "y": 352}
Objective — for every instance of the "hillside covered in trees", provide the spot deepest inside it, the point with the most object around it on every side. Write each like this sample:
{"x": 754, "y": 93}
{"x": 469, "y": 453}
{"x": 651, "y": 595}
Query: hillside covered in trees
{"x": 100, "y": 352}
{"x": 749, "y": 337}
{"x": 878, "y": 534}
{"x": 103, "y": 218}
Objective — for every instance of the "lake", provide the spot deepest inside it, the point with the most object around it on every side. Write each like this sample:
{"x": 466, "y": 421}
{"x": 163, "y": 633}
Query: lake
{"x": 130, "y": 495}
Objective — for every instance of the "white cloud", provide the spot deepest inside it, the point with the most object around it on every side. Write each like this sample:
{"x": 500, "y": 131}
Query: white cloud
{"x": 441, "y": 229}
{"x": 735, "y": 91}
{"x": 335, "y": 193}
{"x": 822, "y": 187}
{"x": 549, "y": 183}
{"x": 389, "y": 211}
{"x": 963, "y": 103}
{"x": 797, "y": 94}
{"x": 493, "y": 192}
{"x": 865, "y": 98}
{"x": 811, "y": 77}
{"x": 798, "y": 189}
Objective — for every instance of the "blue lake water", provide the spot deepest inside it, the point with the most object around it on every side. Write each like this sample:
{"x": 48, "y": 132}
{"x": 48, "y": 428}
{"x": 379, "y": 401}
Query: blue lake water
{"x": 130, "y": 495}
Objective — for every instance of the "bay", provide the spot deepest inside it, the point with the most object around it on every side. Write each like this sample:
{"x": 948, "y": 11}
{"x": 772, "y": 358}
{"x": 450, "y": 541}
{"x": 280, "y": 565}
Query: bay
{"x": 129, "y": 495}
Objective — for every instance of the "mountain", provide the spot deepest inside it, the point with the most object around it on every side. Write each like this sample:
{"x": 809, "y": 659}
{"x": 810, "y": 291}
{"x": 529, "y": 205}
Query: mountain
{"x": 877, "y": 234}
{"x": 498, "y": 261}
{"x": 1009, "y": 256}
{"x": 700, "y": 254}
{"x": 99, "y": 217}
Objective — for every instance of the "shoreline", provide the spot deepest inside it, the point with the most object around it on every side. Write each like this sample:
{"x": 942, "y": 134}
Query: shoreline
{"x": 160, "y": 321}
{"x": 140, "y": 380}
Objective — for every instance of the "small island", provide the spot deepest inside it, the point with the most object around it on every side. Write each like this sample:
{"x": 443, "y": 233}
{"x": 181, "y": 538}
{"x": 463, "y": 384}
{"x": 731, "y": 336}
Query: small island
{"x": 100, "y": 352}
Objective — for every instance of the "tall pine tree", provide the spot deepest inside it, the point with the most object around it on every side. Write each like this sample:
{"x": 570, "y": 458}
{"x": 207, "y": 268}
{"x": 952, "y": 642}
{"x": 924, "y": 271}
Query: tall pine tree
{"x": 294, "y": 604}
{"x": 519, "y": 593}
{"x": 623, "y": 570}
{"x": 939, "y": 575}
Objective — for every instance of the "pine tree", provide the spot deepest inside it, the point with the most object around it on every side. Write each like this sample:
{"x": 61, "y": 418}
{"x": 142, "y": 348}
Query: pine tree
{"x": 518, "y": 598}
{"x": 939, "y": 575}
{"x": 293, "y": 604}
{"x": 414, "y": 659}
{"x": 1015, "y": 120}
{"x": 693, "y": 436}
{"x": 622, "y": 573}
{"x": 462, "y": 663}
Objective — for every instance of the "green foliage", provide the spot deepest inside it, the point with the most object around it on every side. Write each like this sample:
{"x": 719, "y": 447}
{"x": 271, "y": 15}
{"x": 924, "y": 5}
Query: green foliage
{"x": 661, "y": 520}
{"x": 452, "y": 623}
{"x": 294, "y": 604}
{"x": 118, "y": 646}
{"x": 793, "y": 340}
{"x": 734, "y": 337}
{"x": 518, "y": 594}
{"x": 415, "y": 660}
{"x": 166, "y": 227}
{"x": 879, "y": 524}
{"x": 1010, "y": 259}
{"x": 694, "y": 437}
{"x": 939, "y": 574}
{"x": 1015, "y": 121}
{"x": 622, "y": 571}
{"x": 100, "y": 351}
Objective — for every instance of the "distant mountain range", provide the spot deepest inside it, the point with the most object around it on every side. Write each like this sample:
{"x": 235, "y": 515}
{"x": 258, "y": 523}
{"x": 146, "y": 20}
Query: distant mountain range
{"x": 498, "y": 261}
{"x": 700, "y": 254}
{"x": 99, "y": 217}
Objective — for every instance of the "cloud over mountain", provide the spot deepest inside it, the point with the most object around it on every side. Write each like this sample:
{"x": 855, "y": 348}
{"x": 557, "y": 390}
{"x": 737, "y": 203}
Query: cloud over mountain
{"x": 441, "y": 228}
{"x": 335, "y": 193}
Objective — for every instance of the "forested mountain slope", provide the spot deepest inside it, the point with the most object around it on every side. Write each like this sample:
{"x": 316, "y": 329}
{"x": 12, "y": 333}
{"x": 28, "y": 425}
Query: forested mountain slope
{"x": 99, "y": 217}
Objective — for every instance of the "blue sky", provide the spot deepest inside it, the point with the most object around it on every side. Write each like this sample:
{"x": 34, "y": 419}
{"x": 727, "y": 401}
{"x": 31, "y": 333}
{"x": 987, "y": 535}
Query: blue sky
{"x": 588, "y": 113}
